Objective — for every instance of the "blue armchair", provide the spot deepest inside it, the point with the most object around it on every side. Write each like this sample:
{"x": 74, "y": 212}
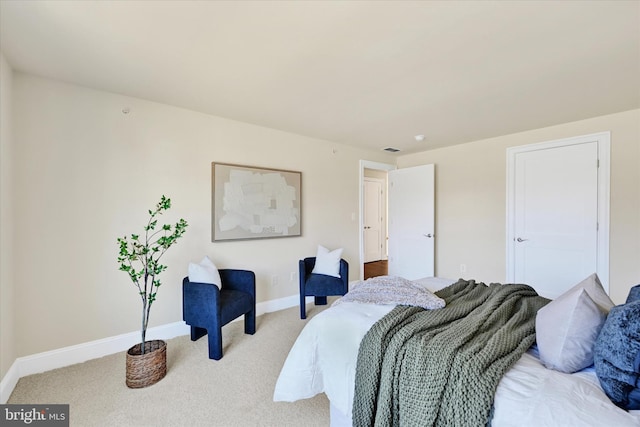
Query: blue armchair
{"x": 319, "y": 285}
{"x": 207, "y": 309}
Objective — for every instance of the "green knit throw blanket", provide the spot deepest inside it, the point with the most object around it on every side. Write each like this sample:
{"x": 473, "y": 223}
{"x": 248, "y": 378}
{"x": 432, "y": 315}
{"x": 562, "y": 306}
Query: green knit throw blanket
{"x": 441, "y": 367}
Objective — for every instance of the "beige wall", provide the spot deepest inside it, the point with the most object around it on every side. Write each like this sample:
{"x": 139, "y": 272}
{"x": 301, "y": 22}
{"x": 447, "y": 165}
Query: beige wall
{"x": 471, "y": 200}
{"x": 86, "y": 173}
{"x": 7, "y": 347}
{"x": 83, "y": 173}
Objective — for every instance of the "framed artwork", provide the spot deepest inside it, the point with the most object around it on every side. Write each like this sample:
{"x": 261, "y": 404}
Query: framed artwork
{"x": 254, "y": 203}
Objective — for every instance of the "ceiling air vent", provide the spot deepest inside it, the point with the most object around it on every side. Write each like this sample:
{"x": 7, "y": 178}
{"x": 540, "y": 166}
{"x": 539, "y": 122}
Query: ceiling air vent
{"x": 391, "y": 149}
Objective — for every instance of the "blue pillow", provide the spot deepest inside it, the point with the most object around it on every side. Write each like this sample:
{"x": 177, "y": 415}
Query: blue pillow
{"x": 616, "y": 355}
{"x": 634, "y": 294}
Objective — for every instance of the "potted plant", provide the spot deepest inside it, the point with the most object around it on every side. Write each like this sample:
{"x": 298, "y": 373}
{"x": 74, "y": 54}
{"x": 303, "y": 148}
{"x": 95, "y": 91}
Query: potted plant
{"x": 140, "y": 258}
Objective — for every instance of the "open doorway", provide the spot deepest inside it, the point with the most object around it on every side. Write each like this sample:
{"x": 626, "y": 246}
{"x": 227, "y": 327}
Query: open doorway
{"x": 374, "y": 232}
{"x": 373, "y": 218}
{"x": 410, "y": 218}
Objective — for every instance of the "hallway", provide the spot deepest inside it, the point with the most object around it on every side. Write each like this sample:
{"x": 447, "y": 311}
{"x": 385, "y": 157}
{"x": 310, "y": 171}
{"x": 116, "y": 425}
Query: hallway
{"x": 375, "y": 268}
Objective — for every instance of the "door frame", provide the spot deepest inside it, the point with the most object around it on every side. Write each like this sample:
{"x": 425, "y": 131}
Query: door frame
{"x": 366, "y": 164}
{"x": 603, "y": 140}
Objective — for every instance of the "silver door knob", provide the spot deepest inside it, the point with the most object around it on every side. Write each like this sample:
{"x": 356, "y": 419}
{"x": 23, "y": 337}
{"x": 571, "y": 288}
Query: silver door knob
{"x": 428, "y": 235}
{"x": 520, "y": 239}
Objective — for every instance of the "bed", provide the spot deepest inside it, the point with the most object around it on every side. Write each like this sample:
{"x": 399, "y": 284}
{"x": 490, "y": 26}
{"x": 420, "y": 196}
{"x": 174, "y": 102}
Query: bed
{"x": 324, "y": 359}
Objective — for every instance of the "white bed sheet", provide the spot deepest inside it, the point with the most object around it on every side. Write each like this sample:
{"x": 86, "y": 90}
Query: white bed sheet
{"x": 530, "y": 395}
{"x": 323, "y": 360}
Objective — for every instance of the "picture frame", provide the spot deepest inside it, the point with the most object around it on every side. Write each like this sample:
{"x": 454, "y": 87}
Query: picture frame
{"x": 254, "y": 202}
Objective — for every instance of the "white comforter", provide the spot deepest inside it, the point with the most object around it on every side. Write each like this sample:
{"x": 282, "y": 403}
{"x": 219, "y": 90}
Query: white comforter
{"x": 323, "y": 360}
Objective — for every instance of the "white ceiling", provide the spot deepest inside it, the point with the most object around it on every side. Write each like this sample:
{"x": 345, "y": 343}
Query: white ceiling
{"x": 364, "y": 73}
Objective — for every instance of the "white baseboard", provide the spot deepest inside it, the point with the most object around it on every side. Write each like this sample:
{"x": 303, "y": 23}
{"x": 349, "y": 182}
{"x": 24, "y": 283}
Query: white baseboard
{"x": 59, "y": 358}
{"x": 8, "y": 383}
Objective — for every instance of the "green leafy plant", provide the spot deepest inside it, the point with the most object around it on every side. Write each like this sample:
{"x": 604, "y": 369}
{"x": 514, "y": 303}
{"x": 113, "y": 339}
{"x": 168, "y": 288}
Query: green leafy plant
{"x": 140, "y": 258}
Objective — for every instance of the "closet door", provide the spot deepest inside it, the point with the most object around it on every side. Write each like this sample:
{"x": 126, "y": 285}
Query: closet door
{"x": 555, "y": 217}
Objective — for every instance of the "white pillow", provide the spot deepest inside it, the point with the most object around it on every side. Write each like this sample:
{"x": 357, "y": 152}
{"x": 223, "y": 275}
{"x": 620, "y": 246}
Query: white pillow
{"x": 327, "y": 262}
{"x": 595, "y": 290}
{"x": 205, "y": 272}
{"x": 567, "y": 327}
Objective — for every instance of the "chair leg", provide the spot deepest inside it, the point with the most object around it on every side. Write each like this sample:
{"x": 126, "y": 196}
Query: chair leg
{"x": 303, "y": 307}
{"x": 197, "y": 333}
{"x": 321, "y": 300}
{"x": 250, "y": 322}
{"x": 215, "y": 344}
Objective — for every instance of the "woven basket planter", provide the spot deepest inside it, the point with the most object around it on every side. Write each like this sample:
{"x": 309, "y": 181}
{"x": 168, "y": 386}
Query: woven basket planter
{"x": 146, "y": 369}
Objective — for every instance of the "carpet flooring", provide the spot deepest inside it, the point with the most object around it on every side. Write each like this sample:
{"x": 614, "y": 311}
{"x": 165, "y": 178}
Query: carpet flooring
{"x": 234, "y": 391}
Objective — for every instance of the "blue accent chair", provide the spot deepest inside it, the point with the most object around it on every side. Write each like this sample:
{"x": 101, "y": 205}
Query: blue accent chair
{"x": 207, "y": 309}
{"x": 319, "y": 285}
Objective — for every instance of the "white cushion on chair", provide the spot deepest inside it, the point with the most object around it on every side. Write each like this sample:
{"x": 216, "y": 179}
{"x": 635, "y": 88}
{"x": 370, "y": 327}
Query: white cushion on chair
{"x": 327, "y": 262}
{"x": 205, "y": 272}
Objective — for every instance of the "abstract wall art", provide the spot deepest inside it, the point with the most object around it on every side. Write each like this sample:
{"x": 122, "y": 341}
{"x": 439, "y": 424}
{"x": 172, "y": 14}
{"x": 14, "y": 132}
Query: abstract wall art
{"x": 254, "y": 203}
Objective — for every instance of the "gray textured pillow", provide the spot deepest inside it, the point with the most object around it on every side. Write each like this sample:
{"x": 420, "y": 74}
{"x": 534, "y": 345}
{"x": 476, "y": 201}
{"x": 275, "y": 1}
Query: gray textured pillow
{"x": 567, "y": 327}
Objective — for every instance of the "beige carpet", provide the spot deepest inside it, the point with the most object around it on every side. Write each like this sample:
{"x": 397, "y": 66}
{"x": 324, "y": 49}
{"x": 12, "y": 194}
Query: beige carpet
{"x": 234, "y": 391}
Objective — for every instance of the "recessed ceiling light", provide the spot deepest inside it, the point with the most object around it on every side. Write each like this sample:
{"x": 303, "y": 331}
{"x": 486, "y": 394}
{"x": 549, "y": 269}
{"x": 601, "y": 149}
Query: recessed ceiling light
{"x": 419, "y": 138}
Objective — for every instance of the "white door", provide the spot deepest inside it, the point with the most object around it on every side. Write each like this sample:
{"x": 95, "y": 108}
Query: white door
{"x": 555, "y": 216}
{"x": 373, "y": 239}
{"x": 411, "y": 222}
